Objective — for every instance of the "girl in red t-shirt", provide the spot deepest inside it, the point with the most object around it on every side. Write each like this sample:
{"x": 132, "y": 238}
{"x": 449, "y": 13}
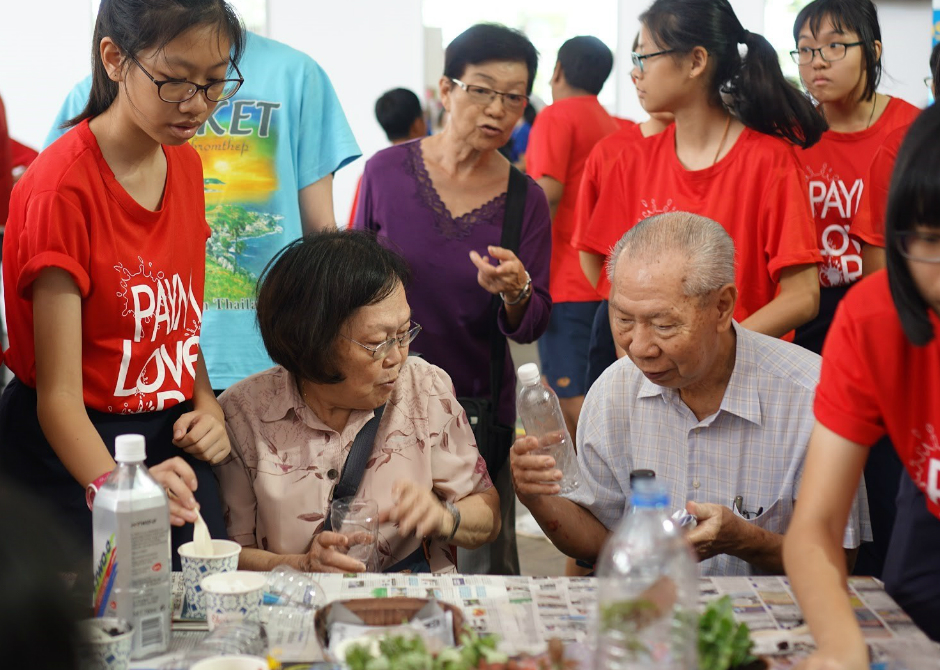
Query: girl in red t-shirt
{"x": 104, "y": 265}
{"x": 880, "y": 375}
{"x": 722, "y": 158}
{"x": 838, "y": 50}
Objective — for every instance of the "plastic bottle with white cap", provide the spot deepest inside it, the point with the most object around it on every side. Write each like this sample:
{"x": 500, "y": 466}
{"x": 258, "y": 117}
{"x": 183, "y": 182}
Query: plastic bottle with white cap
{"x": 131, "y": 533}
{"x": 541, "y": 416}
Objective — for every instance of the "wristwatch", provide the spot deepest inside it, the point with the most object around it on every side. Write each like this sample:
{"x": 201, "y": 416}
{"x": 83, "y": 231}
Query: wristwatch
{"x": 523, "y": 294}
{"x": 92, "y": 489}
{"x": 454, "y": 512}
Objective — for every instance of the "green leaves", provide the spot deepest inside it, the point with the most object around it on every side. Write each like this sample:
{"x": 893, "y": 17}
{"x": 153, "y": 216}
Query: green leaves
{"x": 400, "y": 652}
{"x": 723, "y": 643}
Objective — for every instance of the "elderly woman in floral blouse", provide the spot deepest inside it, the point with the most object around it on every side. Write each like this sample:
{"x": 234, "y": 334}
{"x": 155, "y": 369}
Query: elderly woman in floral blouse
{"x": 333, "y": 315}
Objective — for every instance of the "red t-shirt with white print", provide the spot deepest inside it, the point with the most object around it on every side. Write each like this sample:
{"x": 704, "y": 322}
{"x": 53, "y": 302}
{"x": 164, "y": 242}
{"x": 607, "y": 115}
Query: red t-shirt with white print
{"x": 140, "y": 272}
{"x": 754, "y": 192}
{"x": 875, "y": 382}
{"x": 835, "y": 171}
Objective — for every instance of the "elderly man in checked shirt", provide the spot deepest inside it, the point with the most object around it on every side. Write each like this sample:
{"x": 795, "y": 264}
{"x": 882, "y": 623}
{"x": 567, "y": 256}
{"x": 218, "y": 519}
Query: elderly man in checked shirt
{"x": 721, "y": 414}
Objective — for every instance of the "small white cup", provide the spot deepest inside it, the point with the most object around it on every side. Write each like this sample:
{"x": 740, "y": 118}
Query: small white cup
{"x": 99, "y": 648}
{"x": 233, "y": 596}
{"x": 231, "y": 663}
{"x": 196, "y": 568}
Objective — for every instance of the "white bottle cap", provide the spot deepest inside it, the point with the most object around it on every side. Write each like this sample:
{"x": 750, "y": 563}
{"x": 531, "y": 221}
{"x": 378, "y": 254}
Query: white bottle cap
{"x": 529, "y": 373}
{"x": 129, "y": 448}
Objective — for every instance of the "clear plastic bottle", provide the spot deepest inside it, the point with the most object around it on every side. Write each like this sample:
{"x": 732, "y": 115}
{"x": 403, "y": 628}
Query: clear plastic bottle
{"x": 289, "y": 587}
{"x": 541, "y": 415}
{"x": 648, "y": 590}
{"x": 131, "y": 536}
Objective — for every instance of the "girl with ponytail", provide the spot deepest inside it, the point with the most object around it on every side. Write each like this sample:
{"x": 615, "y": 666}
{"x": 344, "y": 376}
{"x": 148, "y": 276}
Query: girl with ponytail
{"x": 728, "y": 156}
{"x": 105, "y": 268}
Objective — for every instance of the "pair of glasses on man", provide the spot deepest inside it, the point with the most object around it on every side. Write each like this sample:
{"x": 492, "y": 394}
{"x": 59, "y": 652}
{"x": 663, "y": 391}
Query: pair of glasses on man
{"x": 180, "y": 90}
{"x": 828, "y": 52}
{"x": 916, "y": 245}
{"x": 381, "y": 351}
{"x": 480, "y": 95}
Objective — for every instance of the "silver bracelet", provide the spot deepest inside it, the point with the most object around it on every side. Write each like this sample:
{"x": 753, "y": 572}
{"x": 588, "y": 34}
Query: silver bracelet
{"x": 523, "y": 294}
{"x": 454, "y": 512}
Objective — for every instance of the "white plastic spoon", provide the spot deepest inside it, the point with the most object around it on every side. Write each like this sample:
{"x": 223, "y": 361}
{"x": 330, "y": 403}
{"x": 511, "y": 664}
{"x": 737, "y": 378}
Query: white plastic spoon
{"x": 202, "y": 541}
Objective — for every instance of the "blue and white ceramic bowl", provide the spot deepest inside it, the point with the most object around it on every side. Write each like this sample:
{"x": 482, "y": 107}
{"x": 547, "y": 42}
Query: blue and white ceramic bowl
{"x": 233, "y": 596}
{"x": 104, "y": 643}
{"x": 196, "y": 568}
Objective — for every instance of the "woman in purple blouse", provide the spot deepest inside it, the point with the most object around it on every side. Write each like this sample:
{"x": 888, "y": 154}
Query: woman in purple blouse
{"x": 440, "y": 202}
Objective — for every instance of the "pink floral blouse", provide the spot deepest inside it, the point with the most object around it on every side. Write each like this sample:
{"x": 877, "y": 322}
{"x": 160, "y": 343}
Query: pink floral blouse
{"x": 285, "y": 461}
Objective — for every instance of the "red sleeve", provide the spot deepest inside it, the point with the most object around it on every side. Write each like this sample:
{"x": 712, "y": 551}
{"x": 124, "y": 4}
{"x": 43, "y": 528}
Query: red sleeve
{"x": 606, "y": 223}
{"x": 22, "y": 155}
{"x": 588, "y": 193}
{"x": 6, "y": 167}
{"x": 355, "y": 203}
{"x": 362, "y": 211}
{"x": 845, "y": 401}
{"x": 549, "y": 150}
{"x": 54, "y": 235}
{"x": 869, "y": 222}
{"x": 788, "y": 220}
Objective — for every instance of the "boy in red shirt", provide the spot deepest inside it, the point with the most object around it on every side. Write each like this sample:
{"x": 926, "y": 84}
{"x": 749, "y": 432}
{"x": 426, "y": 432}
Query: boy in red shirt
{"x": 561, "y": 139}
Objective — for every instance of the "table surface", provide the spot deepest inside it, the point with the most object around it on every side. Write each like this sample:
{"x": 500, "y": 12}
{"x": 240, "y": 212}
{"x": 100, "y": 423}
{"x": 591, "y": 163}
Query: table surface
{"x": 526, "y": 611}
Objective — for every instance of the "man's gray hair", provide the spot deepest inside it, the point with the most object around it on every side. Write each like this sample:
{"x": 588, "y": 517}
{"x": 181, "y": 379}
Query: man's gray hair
{"x": 707, "y": 246}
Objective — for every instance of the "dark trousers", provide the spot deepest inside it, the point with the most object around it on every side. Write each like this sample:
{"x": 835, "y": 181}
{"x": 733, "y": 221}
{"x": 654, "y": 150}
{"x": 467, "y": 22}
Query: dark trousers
{"x": 27, "y": 457}
{"x": 883, "y": 471}
{"x": 912, "y": 567}
{"x": 602, "y": 353}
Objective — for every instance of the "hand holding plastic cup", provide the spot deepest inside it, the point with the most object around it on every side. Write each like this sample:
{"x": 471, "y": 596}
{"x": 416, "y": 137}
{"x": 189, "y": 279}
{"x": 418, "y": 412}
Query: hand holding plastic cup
{"x": 104, "y": 643}
{"x": 358, "y": 520}
{"x": 233, "y": 596}
{"x": 224, "y": 558}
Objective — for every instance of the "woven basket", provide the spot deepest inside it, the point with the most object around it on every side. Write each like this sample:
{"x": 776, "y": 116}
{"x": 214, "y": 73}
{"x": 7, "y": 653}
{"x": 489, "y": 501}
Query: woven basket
{"x": 382, "y": 612}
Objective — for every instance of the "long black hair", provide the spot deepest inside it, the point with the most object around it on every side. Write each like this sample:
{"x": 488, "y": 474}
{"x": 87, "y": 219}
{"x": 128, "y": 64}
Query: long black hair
{"x": 914, "y": 200}
{"x": 135, "y": 25}
{"x": 859, "y": 16}
{"x": 752, "y": 86}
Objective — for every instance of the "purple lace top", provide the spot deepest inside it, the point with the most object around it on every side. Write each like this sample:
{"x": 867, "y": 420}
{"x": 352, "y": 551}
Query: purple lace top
{"x": 398, "y": 201}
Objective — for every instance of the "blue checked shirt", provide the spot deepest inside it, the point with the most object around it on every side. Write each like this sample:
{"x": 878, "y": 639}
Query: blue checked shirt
{"x": 754, "y": 446}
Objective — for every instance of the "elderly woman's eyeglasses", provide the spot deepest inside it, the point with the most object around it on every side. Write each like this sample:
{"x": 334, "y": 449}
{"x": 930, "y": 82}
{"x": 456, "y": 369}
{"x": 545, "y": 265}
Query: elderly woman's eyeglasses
{"x": 829, "y": 52}
{"x": 640, "y": 59}
{"x": 916, "y": 245}
{"x": 381, "y": 351}
{"x": 176, "y": 91}
{"x": 480, "y": 95}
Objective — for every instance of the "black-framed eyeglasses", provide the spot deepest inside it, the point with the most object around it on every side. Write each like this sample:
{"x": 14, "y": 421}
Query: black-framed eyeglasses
{"x": 828, "y": 52}
{"x": 180, "y": 90}
{"x": 916, "y": 245}
{"x": 382, "y": 351}
{"x": 483, "y": 96}
{"x": 639, "y": 59}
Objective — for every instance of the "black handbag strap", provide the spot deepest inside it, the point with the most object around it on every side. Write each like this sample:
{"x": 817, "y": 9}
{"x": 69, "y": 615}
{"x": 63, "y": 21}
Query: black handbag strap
{"x": 356, "y": 460}
{"x": 512, "y": 233}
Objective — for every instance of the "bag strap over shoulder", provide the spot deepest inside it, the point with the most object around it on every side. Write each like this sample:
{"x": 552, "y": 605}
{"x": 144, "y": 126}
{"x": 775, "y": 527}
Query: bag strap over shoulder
{"x": 512, "y": 233}
{"x": 355, "y": 466}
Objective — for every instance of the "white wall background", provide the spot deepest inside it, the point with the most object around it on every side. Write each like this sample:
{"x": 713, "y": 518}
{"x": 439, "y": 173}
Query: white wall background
{"x": 367, "y": 47}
